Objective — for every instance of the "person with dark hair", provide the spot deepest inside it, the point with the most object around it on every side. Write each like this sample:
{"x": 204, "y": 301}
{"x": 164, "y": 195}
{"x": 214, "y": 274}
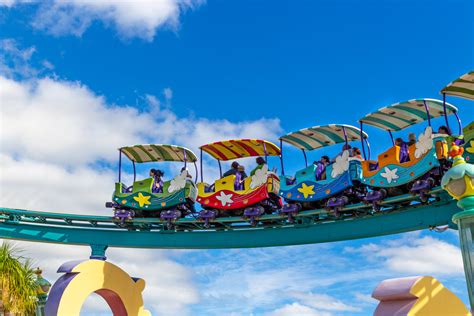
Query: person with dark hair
{"x": 403, "y": 155}
{"x": 157, "y": 186}
{"x": 233, "y": 170}
{"x": 411, "y": 139}
{"x": 356, "y": 153}
{"x": 240, "y": 178}
{"x": 321, "y": 167}
{"x": 344, "y": 148}
{"x": 260, "y": 163}
{"x": 184, "y": 169}
{"x": 444, "y": 130}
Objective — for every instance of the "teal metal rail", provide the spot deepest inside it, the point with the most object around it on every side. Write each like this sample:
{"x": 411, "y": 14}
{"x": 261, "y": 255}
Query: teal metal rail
{"x": 400, "y": 214}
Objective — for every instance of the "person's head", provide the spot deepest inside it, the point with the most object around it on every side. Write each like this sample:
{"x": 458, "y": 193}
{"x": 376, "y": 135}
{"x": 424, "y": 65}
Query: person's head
{"x": 260, "y": 161}
{"x": 346, "y": 147}
{"x": 241, "y": 168}
{"x": 444, "y": 130}
{"x": 159, "y": 173}
{"x": 356, "y": 151}
{"x": 184, "y": 169}
{"x": 152, "y": 172}
{"x": 235, "y": 165}
{"x": 412, "y": 137}
{"x": 325, "y": 160}
{"x": 398, "y": 141}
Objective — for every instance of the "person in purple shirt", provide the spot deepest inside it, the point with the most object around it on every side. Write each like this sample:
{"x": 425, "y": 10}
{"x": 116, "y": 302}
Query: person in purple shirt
{"x": 157, "y": 186}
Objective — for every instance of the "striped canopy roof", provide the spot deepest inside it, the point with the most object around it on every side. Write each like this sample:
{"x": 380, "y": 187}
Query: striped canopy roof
{"x": 462, "y": 87}
{"x": 158, "y": 152}
{"x": 321, "y": 136}
{"x": 401, "y": 115}
{"x": 241, "y": 148}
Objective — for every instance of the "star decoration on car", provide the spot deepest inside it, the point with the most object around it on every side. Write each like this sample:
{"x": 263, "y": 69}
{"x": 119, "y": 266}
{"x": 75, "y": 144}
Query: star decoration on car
{"x": 225, "y": 198}
{"x": 307, "y": 190}
{"x": 142, "y": 199}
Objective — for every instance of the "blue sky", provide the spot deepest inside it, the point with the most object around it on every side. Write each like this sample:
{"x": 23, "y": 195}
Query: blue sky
{"x": 85, "y": 78}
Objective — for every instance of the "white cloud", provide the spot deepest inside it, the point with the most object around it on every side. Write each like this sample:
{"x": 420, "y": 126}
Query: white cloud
{"x": 414, "y": 255}
{"x": 323, "y": 302}
{"x": 297, "y": 309}
{"x": 15, "y": 61}
{"x": 140, "y": 18}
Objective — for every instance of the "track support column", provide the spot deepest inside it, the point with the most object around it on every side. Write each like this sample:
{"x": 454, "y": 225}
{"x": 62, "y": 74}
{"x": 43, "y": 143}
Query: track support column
{"x": 459, "y": 182}
{"x": 98, "y": 251}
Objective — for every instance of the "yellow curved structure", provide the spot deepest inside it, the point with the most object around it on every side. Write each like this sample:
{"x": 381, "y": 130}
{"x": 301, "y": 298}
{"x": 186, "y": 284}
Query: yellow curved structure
{"x": 122, "y": 293}
{"x": 417, "y": 296}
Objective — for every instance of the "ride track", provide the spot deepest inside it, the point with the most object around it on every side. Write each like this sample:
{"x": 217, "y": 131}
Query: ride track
{"x": 397, "y": 215}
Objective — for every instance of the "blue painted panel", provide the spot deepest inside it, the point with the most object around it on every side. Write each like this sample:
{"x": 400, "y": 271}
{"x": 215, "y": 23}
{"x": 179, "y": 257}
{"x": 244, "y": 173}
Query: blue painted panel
{"x": 324, "y": 188}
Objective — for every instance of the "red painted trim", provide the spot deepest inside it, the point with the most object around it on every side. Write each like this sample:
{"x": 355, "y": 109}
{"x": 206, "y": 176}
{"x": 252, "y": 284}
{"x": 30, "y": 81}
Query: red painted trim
{"x": 238, "y": 199}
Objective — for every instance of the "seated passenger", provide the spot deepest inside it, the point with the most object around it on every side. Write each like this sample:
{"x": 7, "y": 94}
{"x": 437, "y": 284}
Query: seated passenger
{"x": 321, "y": 168}
{"x": 356, "y": 153}
{"x": 344, "y": 148}
{"x": 260, "y": 163}
{"x": 157, "y": 186}
{"x": 184, "y": 169}
{"x": 232, "y": 170}
{"x": 411, "y": 139}
{"x": 403, "y": 156}
{"x": 444, "y": 130}
{"x": 240, "y": 178}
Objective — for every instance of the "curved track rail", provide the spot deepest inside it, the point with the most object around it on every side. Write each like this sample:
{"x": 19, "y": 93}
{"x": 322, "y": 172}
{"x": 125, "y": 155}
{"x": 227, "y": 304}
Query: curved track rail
{"x": 398, "y": 215}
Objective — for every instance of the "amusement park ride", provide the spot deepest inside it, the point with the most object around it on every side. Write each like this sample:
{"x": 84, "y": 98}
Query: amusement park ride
{"x": 354, "y": 196}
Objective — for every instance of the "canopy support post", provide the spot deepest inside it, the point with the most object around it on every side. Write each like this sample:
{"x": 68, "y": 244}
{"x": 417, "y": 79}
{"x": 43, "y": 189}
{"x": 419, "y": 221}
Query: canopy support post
{"x": 362, "y": 140}
{"x": 196, "y": 170}
{"x": 120, "y": 166}
{"x": 265, "y": 152}
{"x": 345, "y": 136}
{"x": 134, "y": 172}
{"x": 185, "y": 158}
{"x": 391, "y": 137}
{"x": 220, "y": 168}
{"x": 427, "y": 112}
{"x": 281, "y": 158}
{"x": 459, "y": 123}
{"x": 445, "y": 111}
{"x": 368, "y": 146}
{"x": 200, "y": 165}
{"x": 305, "y": 158}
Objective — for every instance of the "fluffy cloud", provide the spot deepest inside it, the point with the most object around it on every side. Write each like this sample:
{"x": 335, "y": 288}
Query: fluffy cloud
{"x": 414, "y": 255}
{"x": 139, "y": 18}
{"x": 323, "y": 302}
{"x": 297, "y": 309}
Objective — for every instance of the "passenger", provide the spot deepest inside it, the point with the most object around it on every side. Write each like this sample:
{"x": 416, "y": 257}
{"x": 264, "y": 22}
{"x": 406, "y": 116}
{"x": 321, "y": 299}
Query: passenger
{"x": 260, "y": 163}
{"x": 184, "y": 169}
{"x": 411, "y": 139}
{"x": 240, "y": 178}
{"x": 344, "y": 148}
{"x": 157, "y": 186}
{"x": 232, "y": 170}
{"x": 356, "y": 153}
{"x": 321, "y": 168}
{"x": 444, "y": 130}
{"x": 403, "y": 156}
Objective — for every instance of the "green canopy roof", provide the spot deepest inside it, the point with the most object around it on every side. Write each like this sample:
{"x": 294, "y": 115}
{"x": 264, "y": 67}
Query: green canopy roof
{"x": 158, "y": 152}
{"x": 401, "y": 115}
{"x": 462, "y": 87}
{"x": 321, "y": 136}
